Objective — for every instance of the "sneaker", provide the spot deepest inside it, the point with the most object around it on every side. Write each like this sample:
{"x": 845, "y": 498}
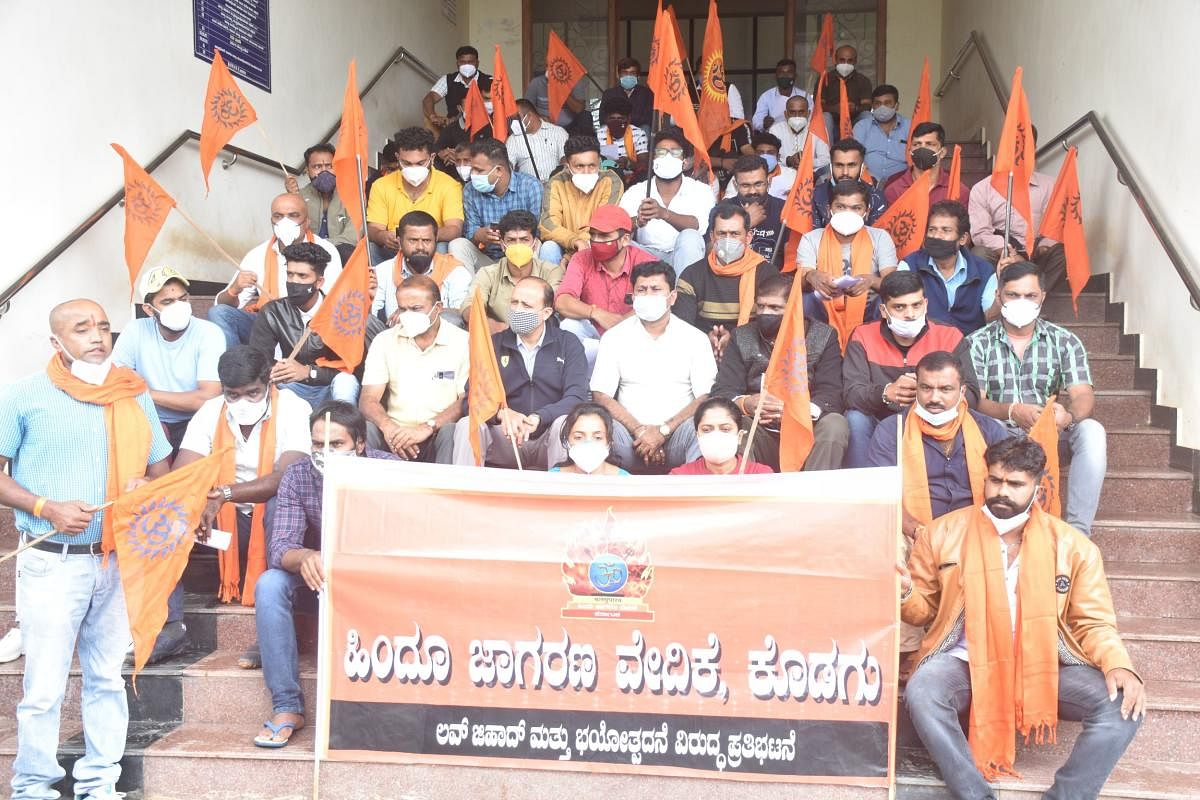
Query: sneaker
{"x": 11, "y": 646}
{"x": 172, "y": 640}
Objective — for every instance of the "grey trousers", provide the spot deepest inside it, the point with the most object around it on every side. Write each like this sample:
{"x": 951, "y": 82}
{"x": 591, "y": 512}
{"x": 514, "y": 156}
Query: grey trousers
{"x": 831, "y": 435}
{"x": 437, "y": 449}
{"x": 541, "y": 453}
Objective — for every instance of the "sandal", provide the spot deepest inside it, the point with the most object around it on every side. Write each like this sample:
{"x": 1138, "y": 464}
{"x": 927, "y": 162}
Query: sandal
{"x": 250, "y": 659}
{"x": 271, "y": 741}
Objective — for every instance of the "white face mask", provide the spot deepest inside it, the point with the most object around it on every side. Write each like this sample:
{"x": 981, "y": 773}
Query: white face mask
{"x": 588, "y": 456}
{"x": 176, "y": 316}
{"x": 318, "y": 457}
{"x": 585, "y": 181}
{"x": 906, "y": 328}
{"x": 797, "y": 124}
{"x": 515, "y": 126}
{"x": 668, "y": 167}
{"x": 86, "y": 371}
{"x": 718, "y": 446}
{"x": 729, "y": 250}
{"x": 487, "y": 106}
{"x": 414, "y": 323}
{"x": 467, "y": 71}
{"x": 847, "y": 223}
{"x": 464, "y": 172}
{"x": 844, "y": 70}
{"x": 936, "y": 418}
{"x": 650, "y": 307}
{"x": 1020, "y": 313}
{"x": 286, "y": 231}
{"x": 415, "y": 176}
{"x": 1003, "y": 526}
{"x": 883, "y": 113}
{"x": 247, "y": 412}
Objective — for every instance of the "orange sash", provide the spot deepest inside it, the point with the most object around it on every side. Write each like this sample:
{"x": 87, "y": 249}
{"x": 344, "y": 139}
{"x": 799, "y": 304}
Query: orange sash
{"x": 745, "y": 269}
{"x": 1014, "y": 679}
{"x": 270, "y": 277}
{"x": 630, "y": 153}
{"x": 845, "y": 313}
{"x": 125, "y": 423}
{"x": 916, "y": 479}
{"x": 443, "y": 264}
{"x": 256, "y": 555}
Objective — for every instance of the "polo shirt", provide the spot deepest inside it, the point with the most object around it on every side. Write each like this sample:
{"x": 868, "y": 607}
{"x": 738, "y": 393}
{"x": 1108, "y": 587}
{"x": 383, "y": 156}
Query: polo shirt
{"x": 1053, "y": 360}
{"x": 255, "y": 260}
{"x": 654, "y": 379}
{"x": 176, "y": 366}
{"x": 454, "y": 288}
{"x": 421, "y": 383}
{"x": 441, "y": 198}
{"x": 883, "y": 257}
{"x": 896, "y": 185}
{"x": 694, "y": 199}
{"x": 496, "y": 284}
{"x": 589, "y": 282}
{"x": 885, "y": 149}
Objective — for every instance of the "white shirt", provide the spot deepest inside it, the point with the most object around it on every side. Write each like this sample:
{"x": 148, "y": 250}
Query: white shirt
{"x": 736, "y": 109}
{"x": 547, "y": 146}
{"x": 454, "y": 288}
{"x": 529, "y": 353}
{"x": 654, "y": 379}
{"x": 1011, "y": 571}
{"x": 441, "y": 87}
{"x": 779, "y": 187}
{"x": 792, "y": 143}
{"x": 694, "y": 199}
{"x": 256, "y": 258}
{"x": 616, "y": 147}
{"x": 772, "y": 104}
{"x": 883, "y": 254}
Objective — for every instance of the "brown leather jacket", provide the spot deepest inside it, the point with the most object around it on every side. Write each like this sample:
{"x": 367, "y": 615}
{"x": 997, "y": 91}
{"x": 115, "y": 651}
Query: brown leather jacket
{"x": 1087, "y": 626}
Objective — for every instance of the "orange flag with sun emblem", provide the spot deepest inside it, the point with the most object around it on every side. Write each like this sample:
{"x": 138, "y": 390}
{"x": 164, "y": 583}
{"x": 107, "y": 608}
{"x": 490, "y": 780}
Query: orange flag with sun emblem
{"x": 672, "y": 96}
{"x": 350, "y": 160}
{"x": 341, "y": 321}
{"x": 485, "y": 389}
{"x": 906, "y": 219}
{"x": 226, "y": 111}
{"x": 146, "y": 207}
{"x": 563, "y": 71}
{"x": 475, "y": 114}
{"x": 922, "y": 109}
{"x": 1045, "y": 433}
{"x": 1063, "y": 222}
{"x": 786, "y": 379}
{"x": 954, "y": 187}
{"x": 797, "y": 208}
{"x": 504, "y": 104}
{"x": 714, "y": 97}
{"x": 1016, "y": 153}
{"x": 153, "y": 532}
{"x": 823, "y": 52}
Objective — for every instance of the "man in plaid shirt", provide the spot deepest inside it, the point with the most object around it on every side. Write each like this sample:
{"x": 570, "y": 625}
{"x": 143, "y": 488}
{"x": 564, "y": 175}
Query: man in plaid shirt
{"x": 492, "y": 190}
{"x": 1017, "y": 362}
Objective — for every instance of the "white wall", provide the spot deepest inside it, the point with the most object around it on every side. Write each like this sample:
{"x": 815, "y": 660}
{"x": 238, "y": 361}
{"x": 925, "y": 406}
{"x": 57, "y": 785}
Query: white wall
{"x": 914, "y": 32}
{"x": 1134, "y": 63}
{"x": 85, "y": 74}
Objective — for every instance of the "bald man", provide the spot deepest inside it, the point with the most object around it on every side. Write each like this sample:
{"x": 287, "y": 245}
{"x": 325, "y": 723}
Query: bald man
{"x": 858, "y": 89}
{"x": 262, "y": 276}
{"x": 55, "y": 438}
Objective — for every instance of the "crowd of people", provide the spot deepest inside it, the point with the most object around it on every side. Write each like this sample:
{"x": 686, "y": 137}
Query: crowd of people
{"x": 634, "y": 299}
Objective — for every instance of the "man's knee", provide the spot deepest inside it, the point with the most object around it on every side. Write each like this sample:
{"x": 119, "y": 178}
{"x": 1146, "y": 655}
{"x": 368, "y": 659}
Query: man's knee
{"x": 832, "y": 428}
{"x": 273, "y": 589}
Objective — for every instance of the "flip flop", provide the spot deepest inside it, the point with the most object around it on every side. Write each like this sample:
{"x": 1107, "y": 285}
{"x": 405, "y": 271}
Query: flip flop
{"x": 271, "y": 742}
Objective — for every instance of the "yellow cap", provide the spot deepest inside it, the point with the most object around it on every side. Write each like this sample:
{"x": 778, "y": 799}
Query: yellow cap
{"x": 157, "y": 278}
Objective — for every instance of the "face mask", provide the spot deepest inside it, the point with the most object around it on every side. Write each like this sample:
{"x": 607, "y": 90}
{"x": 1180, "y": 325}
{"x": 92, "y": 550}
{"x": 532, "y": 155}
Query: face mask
{"x": 906, "y": 328}
{"x": 588, "y": 456}
{"x": 729, "y": 250}
{"x": 415, "y": 176}
{"x": 487, "y": 106}
{"x": 1005, "y": 524}
{"x": 718, "y": 446}
{"x": 286, "y": 231}
{"x": 847, "y": 223}
{"x": 1020, "y": 313}
{"x": 418, "y": 263}
{"x": 467, "y": 71}
{"x": 939, "y": 248}
{"x": 414, "y": 323}
{"x": 883, "y": 113}
{"x": 247, "y": 412}
{"x": 318, "y": 457}
{"x": 298, "y": 293}
{"x": 617, "y": 129}
{"x": 628, "y": 82}
{"x": 668, "y": 167}
{"x": 650, "y": 307}
{"x": 516, "y": 126}
{"x": 605, "y": 251}
{"x": 768, "y": 324}
{"x": 923, "y": 157}
{"x": 797, "y": 124}
{"x": 481, "y": 184}
{"x": 585, "y": 181}
{"x": 844, "y": 70}
{"x": 523, "y": 322}
{"x": 464, "y": 172}
{"x": 176, "y": 316}
{"x": 324, "y": 182}
{"x": 772, "y": 161}
{"x": 936, "y": 418}
{"x": 87, "y": 372}
{"x": 784, "y": 84}
{"x": 518, "y": 254}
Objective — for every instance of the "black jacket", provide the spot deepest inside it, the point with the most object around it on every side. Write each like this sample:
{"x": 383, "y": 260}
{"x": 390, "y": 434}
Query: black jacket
{"x": 279, "y": 323}
{"x": 747, "y": 355}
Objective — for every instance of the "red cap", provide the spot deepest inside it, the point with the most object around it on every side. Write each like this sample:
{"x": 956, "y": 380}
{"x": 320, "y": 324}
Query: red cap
{"x": 607, "y": 219}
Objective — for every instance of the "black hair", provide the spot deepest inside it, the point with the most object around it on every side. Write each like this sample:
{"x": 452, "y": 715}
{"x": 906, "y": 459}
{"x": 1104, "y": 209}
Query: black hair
{"x": 749, "y": 164}
{"x": 309, "y": 253}
{"x": 926, "y": 128}
{"x": 899, "y": 283}
{"x": 526, "y": 105}
{"x": 955, "y": 209}
{"x": 628, "y": 63}
{"x": 615, "y": 104}
{"x": 1018, "y": 454}
{"x": 493, "y": 149}
{"x": 390, "y": 152}
{"x": 849, "y": 188}
{"x": 342, "y": 413}
{"x": 675, "y": 135}
{"x": 580, "y": 143}
{"x": 762, "y": 137}
{"x": 417, "y": 219}
{"x": 414, "y": 138}
{"x": 848, "y": 145}
{"x": 1021, "y": 269}
{"x": 775, "y": 286}
{"x": 518, "y": 220}
{"x": 785, "y": 62}
{"x": 242, "y": 365}
{"x": 324, "y": 147}
{"x": 587, "y": 410}
{"x": 650, "y": 268}
{"x": 717, "y": 402}
{"x": 885, "y": 88}
{"x": 938, "y": 360}
{"x": 728, "y": 209}
{"x": 466, "y": 50}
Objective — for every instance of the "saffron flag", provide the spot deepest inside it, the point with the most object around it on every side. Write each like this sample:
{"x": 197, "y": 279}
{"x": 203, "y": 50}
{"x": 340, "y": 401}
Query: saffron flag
{"x": 1045, "y": 433}
{"x": 823, "y": 52}
{"x": 907, "y": 218}
{"x": 654, "y": 69}
{"x": 714, "y": 96}
{"x": 504, "y": 104}
{"x": 341, "y": 320}
{"x": 816, "y": 116}
{"x": 1063, "y": 222}
{"x": 563, "y": 71}
{"x": 146, "y": 207}
{"x": 351, "y": 157}
{"x": 797, "y": 208}
{"x": 673, "y": 97}
{"x": 922, "y": 109}
{"x": 474, "y": 111}
{"x": 954, "y": 189}
{"x": 1015, "y": 153}
{"x": 680, "y": 47}
{"x": 485, "y": 389}
{"x": 786, "y": 379}
{"x": 226, "y": 111}
{"x": 153, "y": 532}
{"x": 845, "y": 126}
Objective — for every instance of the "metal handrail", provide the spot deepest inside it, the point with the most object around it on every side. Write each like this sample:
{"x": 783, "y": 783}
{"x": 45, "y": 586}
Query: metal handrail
{"x": 1125, "y": 173}
{"x": 401, "y": 55}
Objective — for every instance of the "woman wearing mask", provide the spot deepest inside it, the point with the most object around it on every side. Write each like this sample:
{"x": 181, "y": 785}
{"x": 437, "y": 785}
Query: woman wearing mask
{"x": 587, "y": 435}
{"x": 718, "y": 432}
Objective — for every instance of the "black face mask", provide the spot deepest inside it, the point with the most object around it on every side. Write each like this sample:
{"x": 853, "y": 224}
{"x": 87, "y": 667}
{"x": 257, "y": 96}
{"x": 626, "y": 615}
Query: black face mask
{"x": 298, "y": 293}
{"x": 924, "y": 158}
{"x": 940, "y": 248}
{"x": 784, "y": 83}
{"x": 418, "y": 263}
{"x": 768, "y": 324}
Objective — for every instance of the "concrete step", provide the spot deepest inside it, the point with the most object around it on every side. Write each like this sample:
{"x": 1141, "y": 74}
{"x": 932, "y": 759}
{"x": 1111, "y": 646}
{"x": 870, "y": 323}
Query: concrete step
{"x": 1171, "y": 538}
{"x": 216, "y": 690}
{"x": 1135, "y": 447}
{"x": 1146, "y": 589}
{"x": 1097, "y": 337}
{"x": 1162, "y": 648}
{"x": 1122, "y": 408}
{"x": 1145, "y": 491}
{"x": 1092, "y": 308}
{"x": 71, "y": 748}
{"x": 1112, "y": 371}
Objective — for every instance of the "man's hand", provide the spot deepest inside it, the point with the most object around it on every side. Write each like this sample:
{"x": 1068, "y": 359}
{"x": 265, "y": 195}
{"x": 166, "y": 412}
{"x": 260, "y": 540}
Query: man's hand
{"x": 446, "y": 154}
{"x": 823, "y": 284}
{"x": 905, "y": 578}
{"x": 313, "y": 571}
{"x": 245, "y": 279}
{"x": 291, "y": 185}
{"x": 1040, "y": 248}
{"x": 859, "y": 287}
{"x": 903, "y": 390}
{"x": 485, "y": 235}
{"x": 582, "y": 243}
{"x": 718, "y": 337}
{"x": 605, "y": 318}
{"x": 648, "y": 444}
{"x": 772, "y": 409}
{"x": 1134, "y": 701}
{"x": 516, "y": 426}
{"x": 288, "y": 370}
{"x": 1025, "y": 414}
{"x": 910, "y": 526}
{"x": 390, "y": 240}
{"x": 1062, "y": 417}
{"x": 70, "y": 516}
{"x": 215, "y": 500}
{"x": 648, "y": 210}
{"x": 405, "y": 440}
{"x": 1010, "y": 258}
{"x": 439, "y": 120}
{"x": 757, "y": 209}
{"x": 135, "y": 483}
{"x": 768, "y": 121}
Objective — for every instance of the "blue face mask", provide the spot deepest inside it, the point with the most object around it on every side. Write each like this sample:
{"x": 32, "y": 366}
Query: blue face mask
{"x": 772, "y": 161}
{"x": 481, "y": 184}
{"x": 628, "y": 82}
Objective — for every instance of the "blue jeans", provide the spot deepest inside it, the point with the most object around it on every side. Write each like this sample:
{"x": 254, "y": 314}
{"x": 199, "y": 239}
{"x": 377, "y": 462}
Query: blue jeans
{"x": 344, "y": 386}
{"x": 550, "y": 252}
{"x": 680, "y": 448}
{"x": 233, "y": 322}
{"x": 689, "y": 248}
{"x": 277, "y": 594}
{"x": 65, "y": 602}
{"x": 941, "y": 690}
{"x": 862, "y": 427}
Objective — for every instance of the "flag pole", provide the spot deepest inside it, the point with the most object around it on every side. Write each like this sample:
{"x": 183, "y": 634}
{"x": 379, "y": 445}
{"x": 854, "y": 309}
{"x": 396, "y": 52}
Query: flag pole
{"x": 258, "y": 124}
{"x": 753, "y": 425}
{"x": 299, "y": 344}
{"x": 42, "y": 538}
{"x": 362, "y": 204}
{"x": 528, "y": 147}
{"x": 1008, "y": 216}
{"x": 206, "y": 235}
{"x": 516, "y": 452}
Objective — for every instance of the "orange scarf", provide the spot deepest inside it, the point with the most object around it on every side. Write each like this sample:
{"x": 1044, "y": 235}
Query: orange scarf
{"x": 1014, "y": 680}
{"x": 845, "y": 313}
{"x": 629, "y": 150}
{"x": 270, "y": 277}
{"x": 745, "y": 269}
{"x": 916, "y": 479}
{"x": 256, "y": 555}
{"x": 125, "y": 423}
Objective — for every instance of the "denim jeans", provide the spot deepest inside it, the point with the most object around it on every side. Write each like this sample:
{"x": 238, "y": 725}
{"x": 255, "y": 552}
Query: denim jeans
{"x": 233, "y": 322}
{"x": 862, "y": 427}
{"x": 277, "y": 595}
{"x": 550, "y": 252}
{"x": 1088, "y": 445}
{"x": 941, "y": 690}
{"x": 681, "y": 447}
{"x": 65, "y": 602}
{"x": 689, "y": 248}
{"x": 344, "y": 386}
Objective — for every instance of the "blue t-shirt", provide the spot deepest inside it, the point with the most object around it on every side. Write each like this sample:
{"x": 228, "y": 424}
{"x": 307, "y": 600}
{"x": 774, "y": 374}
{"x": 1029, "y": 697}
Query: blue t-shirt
{"x": 176, "y": 366}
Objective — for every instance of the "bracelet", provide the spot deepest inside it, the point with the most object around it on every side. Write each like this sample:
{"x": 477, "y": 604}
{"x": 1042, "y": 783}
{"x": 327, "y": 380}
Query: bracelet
{"x": 740, "y": 402}
{"x": 886, "y": 402}
{"x": 38, "y": 506}
{"x": 227, "y": 493}
{"x": 1010, "y": 410}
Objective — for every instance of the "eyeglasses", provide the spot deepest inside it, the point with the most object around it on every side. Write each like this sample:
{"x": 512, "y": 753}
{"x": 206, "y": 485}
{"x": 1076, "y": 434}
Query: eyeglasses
{"x": 672, "y": 151}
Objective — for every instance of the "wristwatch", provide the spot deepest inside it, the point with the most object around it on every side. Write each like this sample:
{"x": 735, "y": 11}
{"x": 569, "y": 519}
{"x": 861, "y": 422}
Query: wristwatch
{"x": 664, "y": 429}
{"x": 432, "y": 424}
{"x": 227, "y": 493}
{"x": 312, "y": 373}
{"x": 535, "y": 419}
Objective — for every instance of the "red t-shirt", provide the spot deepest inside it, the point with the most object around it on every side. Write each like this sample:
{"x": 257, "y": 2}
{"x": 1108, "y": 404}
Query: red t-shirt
{"x": 698, "y": 467}
{"x": 589, "y": 282}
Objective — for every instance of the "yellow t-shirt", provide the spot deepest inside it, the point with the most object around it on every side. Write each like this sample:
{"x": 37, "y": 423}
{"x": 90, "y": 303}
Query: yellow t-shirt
{"x": 442, "y": 199}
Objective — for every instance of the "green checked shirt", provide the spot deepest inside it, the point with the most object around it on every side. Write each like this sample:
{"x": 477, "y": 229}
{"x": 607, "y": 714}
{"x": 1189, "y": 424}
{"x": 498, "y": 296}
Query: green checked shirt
{"x": 1054, "y": 360}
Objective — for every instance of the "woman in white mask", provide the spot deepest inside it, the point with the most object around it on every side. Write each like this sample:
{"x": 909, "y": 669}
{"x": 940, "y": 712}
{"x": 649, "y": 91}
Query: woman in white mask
{"x": 587, "y": 435}
{"x": 719, "y": 434}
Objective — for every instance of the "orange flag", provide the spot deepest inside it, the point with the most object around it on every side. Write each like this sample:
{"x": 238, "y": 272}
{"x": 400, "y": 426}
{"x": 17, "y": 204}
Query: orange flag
{"x": 153, "y": 531}
{"x": 504, "y": 104}
{"x": 146, "y": 207}
{"x": 786, "y": 378}
{"x": 1015, "y": 153}
{"x": 351, "y": 158}
{"x": 563, "y": 71}
{"x": 844, "y": 123}
{"x": 1063, "y": 222}
{"x": 714, "y": 97}
{"x": 341, "y": 321}
{"x": 923, "y": 108}
{"x": 226, "y": 111}
{"x": 816, "y": 115}
{"x": 672, "y": 97}
{"x": 823, "y": 52}
{"x": 907, "y": 218}
{"x": 485, "y": 389}
{"x": 654, "y": 68}
{"x": 797, "y": 208}
{"x": 474, "y": 111}
{"x": 954, "y": 190}
{"x": 1045, "y": 433}
{"x": 679, "y": 45}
